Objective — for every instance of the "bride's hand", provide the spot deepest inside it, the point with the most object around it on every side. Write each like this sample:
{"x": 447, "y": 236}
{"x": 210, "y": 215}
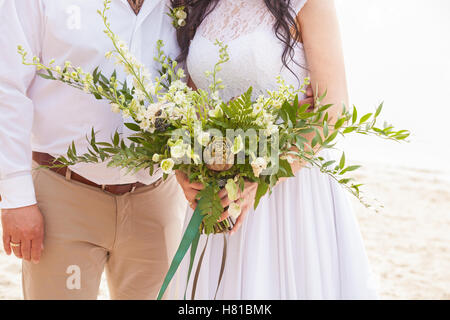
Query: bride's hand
{"x": 190, "y": 189}
{"x": 246, "y": 200}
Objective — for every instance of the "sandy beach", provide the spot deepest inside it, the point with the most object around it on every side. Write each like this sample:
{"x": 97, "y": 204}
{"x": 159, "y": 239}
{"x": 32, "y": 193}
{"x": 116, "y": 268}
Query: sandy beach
{"x": 408, "y": 241}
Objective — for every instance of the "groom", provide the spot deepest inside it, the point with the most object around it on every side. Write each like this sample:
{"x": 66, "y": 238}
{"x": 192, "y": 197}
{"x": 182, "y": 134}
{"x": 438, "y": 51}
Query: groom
{"x": 69, "y": 225}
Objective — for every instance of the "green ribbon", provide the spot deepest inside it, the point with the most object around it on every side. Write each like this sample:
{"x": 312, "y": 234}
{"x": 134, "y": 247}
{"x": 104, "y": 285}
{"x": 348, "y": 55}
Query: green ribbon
{"x": 191, "y": 263}
{"x": 190, "y": 237}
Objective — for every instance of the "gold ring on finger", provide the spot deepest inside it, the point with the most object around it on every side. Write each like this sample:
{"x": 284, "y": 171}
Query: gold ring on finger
{"x": 14, "y": 245}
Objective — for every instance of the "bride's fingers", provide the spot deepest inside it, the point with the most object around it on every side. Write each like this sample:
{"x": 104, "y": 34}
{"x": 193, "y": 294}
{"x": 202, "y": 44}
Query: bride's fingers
{"x": 196, "y": 186}
{"x": 183, "y": 180}
{"x": 225, "y": 201}
{"x": 193, "y": 204}
{"x": 223, "y": 216}
{"x": 222, "y": 193}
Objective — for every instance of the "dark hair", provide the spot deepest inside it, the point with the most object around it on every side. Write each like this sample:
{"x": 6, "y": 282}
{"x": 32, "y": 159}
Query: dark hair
{"x": 285, "y": 26}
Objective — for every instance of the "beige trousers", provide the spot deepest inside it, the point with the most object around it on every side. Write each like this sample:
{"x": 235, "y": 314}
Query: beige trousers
{"x": 87, "y": 230}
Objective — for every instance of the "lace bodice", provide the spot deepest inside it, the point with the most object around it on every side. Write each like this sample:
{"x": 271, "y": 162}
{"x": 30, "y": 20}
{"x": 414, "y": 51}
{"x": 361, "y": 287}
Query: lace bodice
{"x": 246, "y": 26}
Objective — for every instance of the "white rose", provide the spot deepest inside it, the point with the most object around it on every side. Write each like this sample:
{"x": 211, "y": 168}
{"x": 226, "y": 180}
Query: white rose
{"x": 181, "y": 14}
{"x": 155, "y": 157}
{"x": 167, "y": 165}
{"x": 181, "y": 22}
{"x": 178, "y": 150}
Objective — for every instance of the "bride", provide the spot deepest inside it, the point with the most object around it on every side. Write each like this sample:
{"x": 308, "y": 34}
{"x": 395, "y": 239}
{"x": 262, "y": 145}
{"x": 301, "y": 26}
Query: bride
{"x": 303, "y": 241}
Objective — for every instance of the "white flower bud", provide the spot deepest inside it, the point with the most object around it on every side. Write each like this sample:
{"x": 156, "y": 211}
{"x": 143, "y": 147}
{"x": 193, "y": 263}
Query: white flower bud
{"x": 156, "y": 157}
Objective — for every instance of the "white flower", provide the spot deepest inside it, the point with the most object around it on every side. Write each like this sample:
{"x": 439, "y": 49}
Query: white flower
{"x": 215, "y": 95}
{"x": 271, "y": 129}
{"x": 216, "y": 112}
{"x": 232, "y": 190}
{"x": 203, "y": 138}
{"x": 257, "y": 108}
{"x": 181, "y": 22}
{"x": 234, "y": 210}
{"x": 139, "y": 94}
{"x": 156, "y": 157}
{"x": 152, "y": 110}
{"x": 126, "y": 113}
{"x": 180, "y": 14}
{"x": 134, "y": 105}
{"x": 277, "y": 104}
{"x": 180, "y": 98}
{"x": 178, "y": 150}
{"x": 167, "y": 165}
{"x": 145, "y": 124}
{"x": 140, "y": 113}
{"x": 177, "y": 85}
{"x": 258, "y": 165}
{"x": 115, "y": 108}
{"x": 150, "y": 88}
{"x": 238, "y": 145}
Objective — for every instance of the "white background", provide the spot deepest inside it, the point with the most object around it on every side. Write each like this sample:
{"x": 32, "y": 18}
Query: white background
{"x": 398, "y": 51}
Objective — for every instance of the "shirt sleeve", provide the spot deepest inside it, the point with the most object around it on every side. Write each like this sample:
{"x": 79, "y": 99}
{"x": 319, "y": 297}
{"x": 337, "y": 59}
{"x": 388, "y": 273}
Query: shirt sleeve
{"x": 21, "y": 25}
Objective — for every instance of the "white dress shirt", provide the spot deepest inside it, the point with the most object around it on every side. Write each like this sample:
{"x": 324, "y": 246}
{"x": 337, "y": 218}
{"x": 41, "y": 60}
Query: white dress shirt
{"x": 46, "y": 116}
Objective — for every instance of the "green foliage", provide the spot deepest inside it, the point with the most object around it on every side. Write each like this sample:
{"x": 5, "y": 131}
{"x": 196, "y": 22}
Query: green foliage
{"x": 302, "y": 130}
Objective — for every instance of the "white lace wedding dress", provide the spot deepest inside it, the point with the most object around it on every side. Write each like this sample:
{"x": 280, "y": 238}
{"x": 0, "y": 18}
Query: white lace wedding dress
{"x": 303, "y": 241}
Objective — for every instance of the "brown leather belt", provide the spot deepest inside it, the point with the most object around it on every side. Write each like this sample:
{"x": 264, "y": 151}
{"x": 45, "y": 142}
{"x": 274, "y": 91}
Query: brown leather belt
{"x": 45, "y": 159}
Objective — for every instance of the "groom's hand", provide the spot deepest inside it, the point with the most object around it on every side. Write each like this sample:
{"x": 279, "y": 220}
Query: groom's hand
{"x": 190, "y": 189}
{"x": 25, "y": 228}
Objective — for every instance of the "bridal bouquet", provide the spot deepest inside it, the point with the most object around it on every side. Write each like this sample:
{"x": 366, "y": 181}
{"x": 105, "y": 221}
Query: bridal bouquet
{"x": 218, "y": 143}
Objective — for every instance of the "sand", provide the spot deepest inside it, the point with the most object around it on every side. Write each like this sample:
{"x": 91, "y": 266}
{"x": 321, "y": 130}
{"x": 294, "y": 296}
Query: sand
{"x": 408, "y": 242}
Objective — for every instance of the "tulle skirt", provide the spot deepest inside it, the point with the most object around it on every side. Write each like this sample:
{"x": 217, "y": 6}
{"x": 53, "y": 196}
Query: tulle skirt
{"x": 302, "y": 242}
